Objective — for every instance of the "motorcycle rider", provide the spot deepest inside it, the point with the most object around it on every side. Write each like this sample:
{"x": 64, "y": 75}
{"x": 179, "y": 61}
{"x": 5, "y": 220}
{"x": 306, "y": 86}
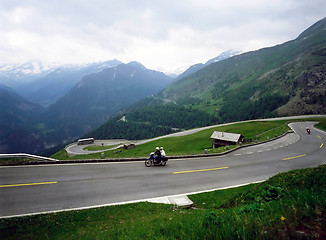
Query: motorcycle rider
{"x": 157, "y": 154}
{"x": 162, "y": 152}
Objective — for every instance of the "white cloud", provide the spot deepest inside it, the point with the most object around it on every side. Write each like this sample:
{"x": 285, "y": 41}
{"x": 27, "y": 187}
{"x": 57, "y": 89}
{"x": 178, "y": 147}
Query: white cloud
{"x": 165, "y": 34}
{"x": 19, "y": 15}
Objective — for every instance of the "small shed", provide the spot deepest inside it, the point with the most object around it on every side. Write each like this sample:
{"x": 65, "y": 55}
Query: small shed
{"x": 129, "y": 146}
{"x": 126, "y": 146}
{"x": 225, "y": 139}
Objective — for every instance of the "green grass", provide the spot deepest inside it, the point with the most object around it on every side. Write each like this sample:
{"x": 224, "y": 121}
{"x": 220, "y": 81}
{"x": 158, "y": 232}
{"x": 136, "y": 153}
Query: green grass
{"x": 322, "y": 124}
{"x": 290, "y": 205}
{"x": 195, "y": 143}
{"x": 211, "y": 106}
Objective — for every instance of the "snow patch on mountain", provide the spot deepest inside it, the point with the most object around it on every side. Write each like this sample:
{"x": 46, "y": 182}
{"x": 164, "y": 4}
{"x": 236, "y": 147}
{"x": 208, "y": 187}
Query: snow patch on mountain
{"x": 176, "y": 72}
{"x": 13, "y": 75}
{"x": 173, "y": 72}
{"x": 25, "y": 70}
{"x": 223, "y": 56}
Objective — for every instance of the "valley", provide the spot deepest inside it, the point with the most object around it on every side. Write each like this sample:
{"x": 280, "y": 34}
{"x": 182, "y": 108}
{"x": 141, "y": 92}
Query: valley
{"x": 55, "y": 107}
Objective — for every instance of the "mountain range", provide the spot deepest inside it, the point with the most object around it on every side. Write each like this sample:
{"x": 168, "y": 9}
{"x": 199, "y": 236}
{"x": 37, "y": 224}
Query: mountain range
{"x": 286, "y": 79}
{"x": 17, "y": 74}
{"x": 90, "y": 102}
{"x": 98, "y": 96}
{"x": 44, "y": 84}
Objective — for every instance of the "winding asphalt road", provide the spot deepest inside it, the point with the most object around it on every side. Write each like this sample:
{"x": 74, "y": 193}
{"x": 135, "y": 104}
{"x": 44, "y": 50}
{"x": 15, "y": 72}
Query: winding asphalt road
{"x": 75, "y": 149}
{"x": 45, "y": 188}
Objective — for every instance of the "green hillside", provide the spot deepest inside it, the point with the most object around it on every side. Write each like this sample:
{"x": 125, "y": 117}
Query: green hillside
{"x": 287, "y": 79}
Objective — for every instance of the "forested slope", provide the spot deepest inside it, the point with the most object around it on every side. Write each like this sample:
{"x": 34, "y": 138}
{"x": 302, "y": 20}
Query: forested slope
{"x": 287, "y": 79}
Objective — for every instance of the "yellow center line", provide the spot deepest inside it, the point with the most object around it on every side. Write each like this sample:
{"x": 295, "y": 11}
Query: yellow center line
{"x": 27, "y": 184}
{"x": 321, "y": 145}
{"x": 295, "y": 157}
{"x": 201, "y": 170}
{"x": 319, "y": 136}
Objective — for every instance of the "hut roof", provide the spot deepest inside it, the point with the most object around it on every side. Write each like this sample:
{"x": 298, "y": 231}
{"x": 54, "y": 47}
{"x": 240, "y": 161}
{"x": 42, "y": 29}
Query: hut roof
{"x": 224, "y": 136}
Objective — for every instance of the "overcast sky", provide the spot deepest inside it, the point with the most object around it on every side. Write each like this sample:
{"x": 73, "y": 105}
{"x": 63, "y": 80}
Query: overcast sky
{"x": 160, "y": 34}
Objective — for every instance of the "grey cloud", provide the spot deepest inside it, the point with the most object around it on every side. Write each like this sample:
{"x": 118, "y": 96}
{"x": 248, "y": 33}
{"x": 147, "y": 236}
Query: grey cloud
{"x": 129, "y": 29}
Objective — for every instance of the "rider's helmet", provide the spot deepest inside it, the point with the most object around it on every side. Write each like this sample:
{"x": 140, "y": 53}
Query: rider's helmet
{"x": 157, "y": 148}
{"x": 161, "y": 148}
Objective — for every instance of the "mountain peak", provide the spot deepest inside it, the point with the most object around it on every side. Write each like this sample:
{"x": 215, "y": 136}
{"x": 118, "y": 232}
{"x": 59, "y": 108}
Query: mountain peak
{"x": 223, "y": 56}
{"x": 314, "y": 29}
{"x": 136, "y": 64}
{"x": 194, "y": 68}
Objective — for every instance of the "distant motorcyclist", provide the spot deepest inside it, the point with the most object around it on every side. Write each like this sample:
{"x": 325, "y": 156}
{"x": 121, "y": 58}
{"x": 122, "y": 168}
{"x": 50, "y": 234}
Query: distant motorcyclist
{"x": 308, "y": 130}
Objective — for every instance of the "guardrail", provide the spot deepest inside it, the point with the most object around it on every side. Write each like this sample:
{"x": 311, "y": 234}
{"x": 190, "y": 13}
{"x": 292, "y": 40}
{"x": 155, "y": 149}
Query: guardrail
{"x": 25, "y": 155}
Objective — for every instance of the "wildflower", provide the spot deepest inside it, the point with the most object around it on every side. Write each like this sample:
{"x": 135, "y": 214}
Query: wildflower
{"x": 282, "y": 218}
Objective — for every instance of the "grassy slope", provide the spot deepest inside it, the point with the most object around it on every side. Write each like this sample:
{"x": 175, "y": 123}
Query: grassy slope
{"x": 198, "y": 142}
{"x": 322, "y": 124}
{"x": 194, "y": 143}
{"x": 290, "y": 205}
{"x": 292, "y": 69}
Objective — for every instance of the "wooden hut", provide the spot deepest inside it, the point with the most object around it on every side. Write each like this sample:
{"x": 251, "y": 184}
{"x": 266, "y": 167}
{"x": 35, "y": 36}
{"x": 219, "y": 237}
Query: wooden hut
{"x": 225, "y": 139}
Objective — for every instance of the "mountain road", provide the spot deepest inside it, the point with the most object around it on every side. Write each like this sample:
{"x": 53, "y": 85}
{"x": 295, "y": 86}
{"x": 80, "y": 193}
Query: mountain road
{"x": 47, "y": 188}
{"x": 75, "y": 149}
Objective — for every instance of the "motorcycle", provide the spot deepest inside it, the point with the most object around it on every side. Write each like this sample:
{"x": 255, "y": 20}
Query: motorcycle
{"x": 155, "y": 160}
{"x": 308, "y": 130}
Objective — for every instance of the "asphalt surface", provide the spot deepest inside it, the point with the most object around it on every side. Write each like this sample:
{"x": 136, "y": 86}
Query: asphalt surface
{"x": 45, "y": 188}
